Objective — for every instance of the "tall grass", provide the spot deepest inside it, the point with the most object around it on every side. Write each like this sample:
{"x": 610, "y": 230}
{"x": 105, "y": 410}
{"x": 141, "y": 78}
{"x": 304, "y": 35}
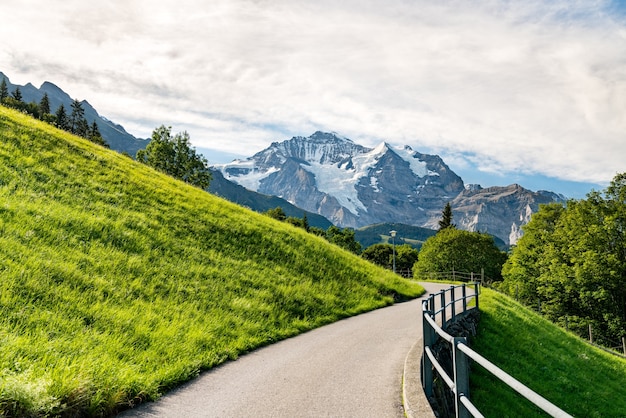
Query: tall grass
{"x": 577, "y": 377}
{"x": 117, "y": 283}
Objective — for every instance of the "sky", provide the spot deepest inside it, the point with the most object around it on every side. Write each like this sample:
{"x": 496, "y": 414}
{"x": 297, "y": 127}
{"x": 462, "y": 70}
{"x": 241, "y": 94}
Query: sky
{"x": 531, "y": 92}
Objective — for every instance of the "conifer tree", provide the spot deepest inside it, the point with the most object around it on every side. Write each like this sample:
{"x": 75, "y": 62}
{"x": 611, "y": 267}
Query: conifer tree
{"x": 82, "y": 128}
{"x": 76, "y": 125}
{"x": 61, "y": 118}
{"x": 17, "y": 94}
{"x": 44, "y": 105}
{"x": 446, "y": 218}
{"x": 95, "y": 136}
{"x": 4, "y": 90}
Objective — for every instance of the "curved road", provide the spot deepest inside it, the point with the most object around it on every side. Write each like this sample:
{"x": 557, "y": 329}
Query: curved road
{"x": 351, "y": 368}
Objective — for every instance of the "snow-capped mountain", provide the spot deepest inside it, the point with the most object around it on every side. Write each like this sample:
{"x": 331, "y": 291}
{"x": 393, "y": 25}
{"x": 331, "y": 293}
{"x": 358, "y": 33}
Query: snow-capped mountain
{"x": 353, "y": 186}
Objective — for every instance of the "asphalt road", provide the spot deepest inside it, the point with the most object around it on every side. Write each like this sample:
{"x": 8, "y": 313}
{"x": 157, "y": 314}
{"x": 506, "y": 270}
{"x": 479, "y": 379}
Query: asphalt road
{"x": 351, "y": 368}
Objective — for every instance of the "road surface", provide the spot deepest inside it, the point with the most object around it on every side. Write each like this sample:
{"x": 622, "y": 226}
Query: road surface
{"x": 351, "y": 368}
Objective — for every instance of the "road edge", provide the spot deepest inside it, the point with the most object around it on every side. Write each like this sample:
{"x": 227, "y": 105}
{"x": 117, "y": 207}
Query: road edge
{"x": 414, "y": 399}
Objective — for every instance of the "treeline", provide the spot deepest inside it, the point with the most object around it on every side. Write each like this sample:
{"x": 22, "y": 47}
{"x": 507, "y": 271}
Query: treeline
{"x": 450, "y": 249}
{"x": 338, "y": 236}
{"x": 73, "y": 122}
{"x": 570, "y": 264}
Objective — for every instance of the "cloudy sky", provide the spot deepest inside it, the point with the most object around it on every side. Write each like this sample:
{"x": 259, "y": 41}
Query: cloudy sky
{"x": 532, "y": 92}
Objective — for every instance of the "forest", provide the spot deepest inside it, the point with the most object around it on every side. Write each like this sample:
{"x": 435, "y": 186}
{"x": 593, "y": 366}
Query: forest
{"x": 570, "y": 264}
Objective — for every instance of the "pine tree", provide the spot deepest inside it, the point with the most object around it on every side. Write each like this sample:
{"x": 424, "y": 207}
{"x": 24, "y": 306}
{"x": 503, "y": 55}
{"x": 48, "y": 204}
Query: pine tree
{"x": 44, "y": 105}
{"x": 17, "y": 94}
{"x": 95, "y": 136}
{"x": 446, "y": 218}
{"x": 94, "y": 130}
{"x": 75, "y": 122}
{"x": 82, "y": 128}
{"x": 4, "y": 90}
{"x": 61, "y": 118}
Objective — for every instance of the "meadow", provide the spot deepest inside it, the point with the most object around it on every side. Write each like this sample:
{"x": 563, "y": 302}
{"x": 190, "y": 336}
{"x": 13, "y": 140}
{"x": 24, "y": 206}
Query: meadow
{"x": 118, "y": 283}
{"x": 579, "y": 378}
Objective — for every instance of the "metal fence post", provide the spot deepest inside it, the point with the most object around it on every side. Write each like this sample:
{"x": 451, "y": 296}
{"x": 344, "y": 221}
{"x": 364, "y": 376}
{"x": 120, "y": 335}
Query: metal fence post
{"x": 427, "y": 366}
{"x": 464, "y": 295}
{"x": 461, "y": 378}
{"x": 443, "y": 308}
{"x": 476, "y": 294}
{"x": 452, "y": 301}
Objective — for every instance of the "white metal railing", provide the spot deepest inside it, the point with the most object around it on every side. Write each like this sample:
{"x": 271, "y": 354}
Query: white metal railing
{"x": 462, "y": 353}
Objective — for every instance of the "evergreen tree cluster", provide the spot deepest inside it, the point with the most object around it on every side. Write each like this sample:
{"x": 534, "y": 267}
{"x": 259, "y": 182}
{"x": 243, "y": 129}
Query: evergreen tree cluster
{"x": 74, "y": 122}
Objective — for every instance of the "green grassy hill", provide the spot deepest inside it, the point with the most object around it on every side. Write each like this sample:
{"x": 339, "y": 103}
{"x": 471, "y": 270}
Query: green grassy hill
{"x": 582, "y": 380}
{"x": 117, "y": 282}
{"x": 379, "y": 234}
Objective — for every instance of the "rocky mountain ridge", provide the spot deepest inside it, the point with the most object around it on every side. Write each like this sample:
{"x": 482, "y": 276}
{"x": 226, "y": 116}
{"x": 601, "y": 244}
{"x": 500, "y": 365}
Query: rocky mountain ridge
{"x": 353, "y": 186}
{"x": 115, "y": 135}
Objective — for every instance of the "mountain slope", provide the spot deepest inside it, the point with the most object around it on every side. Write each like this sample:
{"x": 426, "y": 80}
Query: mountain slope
{"x": 260, "y": 202}
{"x": 355, "y": 186}
{"x": 502, "y": 209}
{"x": 114, "y": 135}
{"x": 349, "y": 184}
{"x": 118, "y": 282}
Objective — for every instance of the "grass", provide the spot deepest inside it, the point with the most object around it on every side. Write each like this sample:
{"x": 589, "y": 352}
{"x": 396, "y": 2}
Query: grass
{"x": 117, "y": 283}
{"x": 582, "y": 380}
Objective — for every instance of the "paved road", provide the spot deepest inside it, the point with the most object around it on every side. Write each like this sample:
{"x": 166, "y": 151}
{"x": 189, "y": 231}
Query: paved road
{"x": 351, "y": 368}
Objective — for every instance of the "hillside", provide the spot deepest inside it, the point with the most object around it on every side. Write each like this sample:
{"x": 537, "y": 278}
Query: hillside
{"x": 577, "y": 377}
{"x": 261, "y": 202}
{"x": 117, "y": 282}
{"x": 115, "y": 135}
{"x": 379, "y": 234}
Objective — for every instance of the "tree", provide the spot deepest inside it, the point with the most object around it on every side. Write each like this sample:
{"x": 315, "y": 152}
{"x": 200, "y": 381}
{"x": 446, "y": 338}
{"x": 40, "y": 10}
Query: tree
{"x": 406, "y": 257}
{"x": 174, "y": 155}
{"x": 94, "y": 135}
{"x": 4, "y": 90}
{"x": 44, "y": 104}
{"x": 277, "y": 213}
{"x": 17, "y": 94}
{"x": 61, "y": 118}
{"x": 528, "y": 261}
{"x": 343, "y": 238}
{"x": 453, "y": 249}
{"x": 446, "y": 218}
{"x": 382, "y": 255}
{"x": 78, "y": 125}
{"x": 573, "y": 259}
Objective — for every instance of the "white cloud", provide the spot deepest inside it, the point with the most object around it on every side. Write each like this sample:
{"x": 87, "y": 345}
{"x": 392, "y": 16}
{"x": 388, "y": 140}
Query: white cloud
{"x": 535, "y": 87}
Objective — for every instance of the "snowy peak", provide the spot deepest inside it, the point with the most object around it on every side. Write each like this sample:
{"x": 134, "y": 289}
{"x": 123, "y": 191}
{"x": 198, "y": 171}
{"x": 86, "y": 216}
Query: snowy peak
{"x": 350, "y": 184}
{"x": 353, "y": 186}
{"x": 323, "y": 148}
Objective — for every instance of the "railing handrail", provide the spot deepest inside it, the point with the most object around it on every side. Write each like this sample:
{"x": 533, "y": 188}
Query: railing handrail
{"x": 459, "y": 383}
